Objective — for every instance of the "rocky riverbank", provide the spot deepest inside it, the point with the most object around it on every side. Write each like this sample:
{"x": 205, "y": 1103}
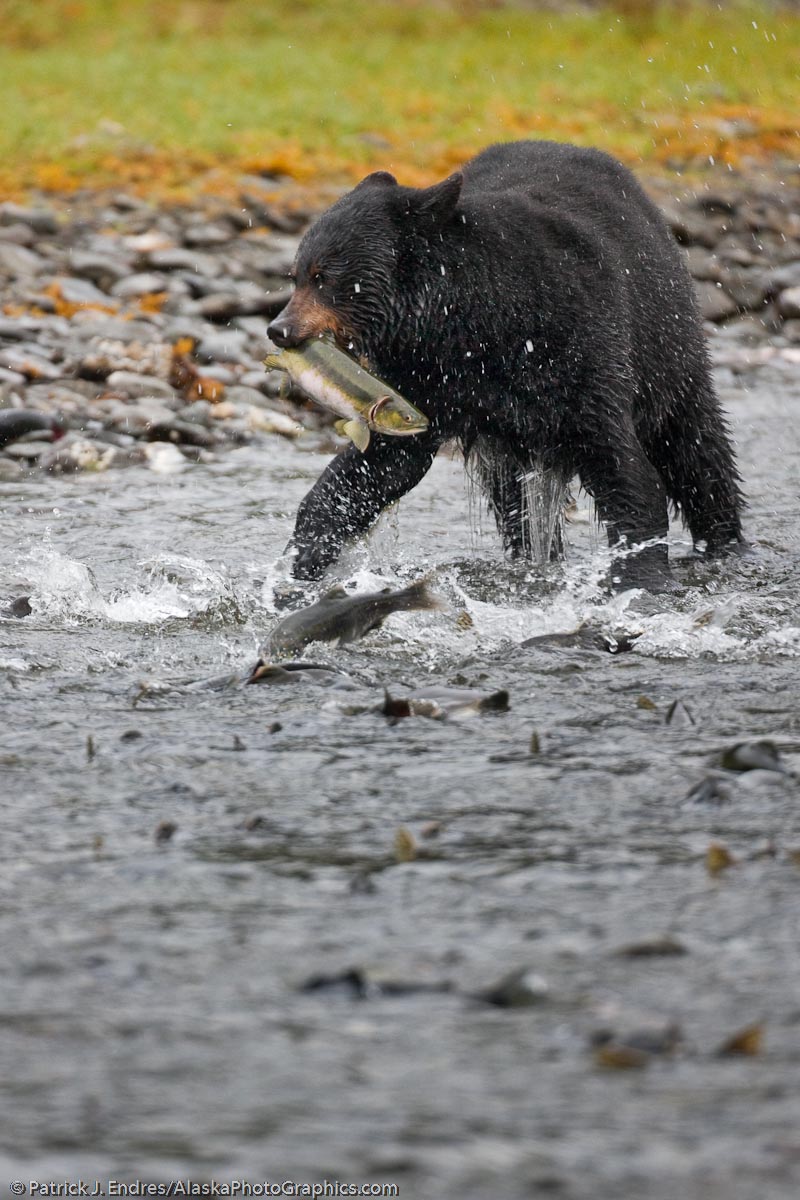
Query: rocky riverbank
{"x": 142, "y": 330}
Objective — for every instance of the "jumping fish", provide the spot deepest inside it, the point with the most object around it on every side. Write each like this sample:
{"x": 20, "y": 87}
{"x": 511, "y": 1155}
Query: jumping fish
{"x": 337, "y": 382}
{"x": 339, "y": 617}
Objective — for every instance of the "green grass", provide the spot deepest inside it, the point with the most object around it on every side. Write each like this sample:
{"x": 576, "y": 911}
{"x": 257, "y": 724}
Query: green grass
{"x": 108, "y": 89}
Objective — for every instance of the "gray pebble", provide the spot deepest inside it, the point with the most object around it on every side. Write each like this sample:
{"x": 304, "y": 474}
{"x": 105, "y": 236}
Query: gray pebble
{"x": 28, "y": 451}
{"x": 715, "y": 303}
{"x": 99, "y": 268}
{"x": 207, "y": 235}
{"x": 143, "y": 283}
{"x": 225, "y": 346}
{"x": 182, "y": 433}
{"x": 221, "y": 374}
{"x": 280, "y": 246}
{"x": 81, "y": 291}
{"x": 198, "y": 413}
{"x": 20, "y": 235}
{"x": 21, "y": 328}
{"x": 243, "y": 395}
{"x": 18, "y": 262}
{"x": 140, "y": 386}
{"x": 198, "y": 285}
{"x": 10, "y": 470}
{"x": 183, "y": 326}
{"x": 789, "y": 303}
{"x": 219, "y": 306}
{"x": 178, "y": 259}
{"x": 276, "y": 299}
{"x": 691, "y": 229}
{"x": 31, "y": 364}
{"x": 65, "y": 391}
{"x": 259, "y": 211}
{"x": 40, "y": 220}
{"x": 11, "y": 378}
{"x": 256, "y": 327}
{"x": 126, "y": 333}
{"x": 262, "y": 381}
{"x": 787, "y": 276}
{"x": 748, "y": 289}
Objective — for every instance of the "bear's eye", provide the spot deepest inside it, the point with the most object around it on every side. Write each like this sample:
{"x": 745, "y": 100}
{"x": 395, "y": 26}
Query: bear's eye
{"x": 317, "y": 278}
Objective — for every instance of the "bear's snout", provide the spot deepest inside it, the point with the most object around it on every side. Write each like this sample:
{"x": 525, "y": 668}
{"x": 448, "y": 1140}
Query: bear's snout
{"x": 304, "y": 317}
{"x": 282, "y": 333}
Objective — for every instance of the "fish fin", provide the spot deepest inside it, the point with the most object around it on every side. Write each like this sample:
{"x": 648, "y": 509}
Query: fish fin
{"x": 274, "y": 362}
{"x": 358, "y": 433}
{"x": 267, "y": 672}
{"x": 337, "y": 592}
{"x": 394, "y": 708}
{"x": 341, "y": 427}
{"x": 496, "y": 702}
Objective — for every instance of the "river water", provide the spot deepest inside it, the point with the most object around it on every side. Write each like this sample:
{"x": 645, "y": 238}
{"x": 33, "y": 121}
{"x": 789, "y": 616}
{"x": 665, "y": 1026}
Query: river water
{"x": 273, "y": 992}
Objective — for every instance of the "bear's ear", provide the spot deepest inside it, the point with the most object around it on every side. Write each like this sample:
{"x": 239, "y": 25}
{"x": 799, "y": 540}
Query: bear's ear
{"x": 381, "y": 178}
{"x": 437, "y": 204}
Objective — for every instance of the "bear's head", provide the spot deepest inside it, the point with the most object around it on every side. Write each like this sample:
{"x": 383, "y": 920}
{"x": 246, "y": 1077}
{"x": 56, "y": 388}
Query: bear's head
{"x": 359, "y": 265}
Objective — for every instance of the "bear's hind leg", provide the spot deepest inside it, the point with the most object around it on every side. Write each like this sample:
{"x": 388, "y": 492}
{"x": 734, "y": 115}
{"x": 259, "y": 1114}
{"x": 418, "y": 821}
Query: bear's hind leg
{"x": 631, "y": 500}
{"x": 697, "y": 465}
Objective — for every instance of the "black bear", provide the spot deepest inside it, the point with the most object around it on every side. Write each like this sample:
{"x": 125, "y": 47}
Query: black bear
{"x": 535, "y": 306}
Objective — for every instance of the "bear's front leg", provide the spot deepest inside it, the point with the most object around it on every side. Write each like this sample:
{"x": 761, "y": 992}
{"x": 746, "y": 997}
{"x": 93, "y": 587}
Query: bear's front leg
{"x": 350, "y": 495}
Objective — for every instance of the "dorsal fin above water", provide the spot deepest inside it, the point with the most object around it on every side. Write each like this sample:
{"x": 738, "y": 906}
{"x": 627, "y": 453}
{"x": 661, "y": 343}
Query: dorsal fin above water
{"x": 337, "y": 592}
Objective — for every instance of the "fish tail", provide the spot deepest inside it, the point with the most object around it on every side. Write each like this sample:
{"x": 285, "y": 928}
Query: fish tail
{"x": 496, "y": 702}
{"x": 417, "y": 595}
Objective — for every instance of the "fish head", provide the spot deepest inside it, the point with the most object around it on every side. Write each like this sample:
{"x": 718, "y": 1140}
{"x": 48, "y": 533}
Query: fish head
{"x": 395, "y": 416}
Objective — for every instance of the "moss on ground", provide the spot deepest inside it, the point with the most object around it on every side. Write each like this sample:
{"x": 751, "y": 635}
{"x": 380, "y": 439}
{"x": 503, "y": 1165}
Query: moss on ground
{"x": 181, "y": 94}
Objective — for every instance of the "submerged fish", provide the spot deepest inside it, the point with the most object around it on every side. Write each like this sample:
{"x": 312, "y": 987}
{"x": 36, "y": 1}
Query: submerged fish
{"x": 439, "y": 703}
{"x": 337, "y": 382}
{"x": 339, "y": 617}
{"x": 585, "y": 637}
{"x": 262, "y": 672}
{"x": 276, "y": 673}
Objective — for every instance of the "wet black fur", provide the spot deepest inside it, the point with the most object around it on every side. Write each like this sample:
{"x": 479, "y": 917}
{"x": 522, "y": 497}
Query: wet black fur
{"x": 535, "y": 301}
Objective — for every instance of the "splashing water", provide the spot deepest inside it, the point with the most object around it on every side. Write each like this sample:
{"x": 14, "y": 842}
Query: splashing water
{"x": 65, "y": 589}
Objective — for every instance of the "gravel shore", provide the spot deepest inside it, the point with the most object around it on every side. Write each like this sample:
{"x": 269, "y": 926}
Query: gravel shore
{"x": 142, "y": 329}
